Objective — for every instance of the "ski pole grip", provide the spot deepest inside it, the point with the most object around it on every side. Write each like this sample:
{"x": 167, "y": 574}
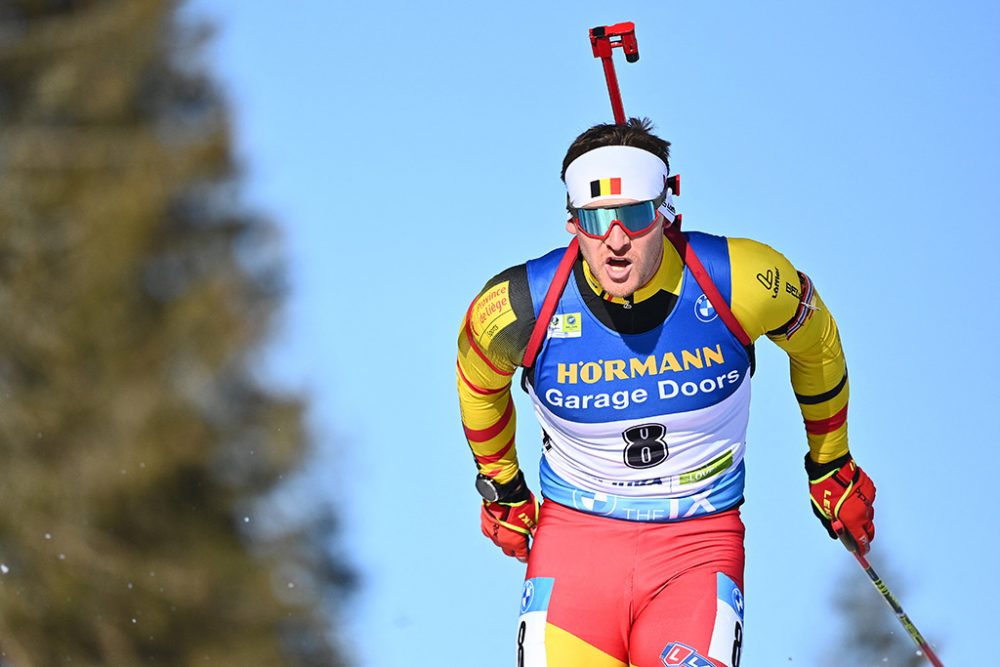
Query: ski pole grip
{"x": 844, "y": 536}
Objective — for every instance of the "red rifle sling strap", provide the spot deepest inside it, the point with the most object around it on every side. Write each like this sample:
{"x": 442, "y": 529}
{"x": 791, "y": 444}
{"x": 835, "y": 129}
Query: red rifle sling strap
{"x": 690, "y": 260}
{"x": 549, "y": 304}
{"x": 704, "y": 280}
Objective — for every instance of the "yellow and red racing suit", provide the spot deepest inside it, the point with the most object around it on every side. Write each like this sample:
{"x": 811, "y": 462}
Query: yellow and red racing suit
{"x": 767, "y": 299}
{"x": 643, "y": 403}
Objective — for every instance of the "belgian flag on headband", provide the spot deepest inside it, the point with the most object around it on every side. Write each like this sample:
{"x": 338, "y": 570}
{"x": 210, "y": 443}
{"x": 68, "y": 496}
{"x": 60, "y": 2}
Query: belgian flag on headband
{"x": 606, "y": 186}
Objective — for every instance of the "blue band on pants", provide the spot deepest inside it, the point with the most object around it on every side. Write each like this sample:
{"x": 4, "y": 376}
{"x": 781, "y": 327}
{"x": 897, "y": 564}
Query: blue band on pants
{"x": 726, "y": 492}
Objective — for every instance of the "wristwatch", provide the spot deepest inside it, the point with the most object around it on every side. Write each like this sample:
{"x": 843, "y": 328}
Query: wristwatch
{"x": 493, "y": 492}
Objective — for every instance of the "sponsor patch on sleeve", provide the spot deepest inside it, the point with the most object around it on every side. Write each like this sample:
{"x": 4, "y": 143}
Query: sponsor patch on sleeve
{"x": 492, "y": 312}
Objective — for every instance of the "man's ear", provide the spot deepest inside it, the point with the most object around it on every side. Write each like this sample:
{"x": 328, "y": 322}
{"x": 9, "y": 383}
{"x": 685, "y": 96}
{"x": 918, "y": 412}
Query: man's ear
{"x": 571, "y": 226}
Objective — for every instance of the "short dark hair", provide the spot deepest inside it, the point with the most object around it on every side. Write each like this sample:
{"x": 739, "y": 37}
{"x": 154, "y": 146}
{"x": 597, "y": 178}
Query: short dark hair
{"x": 636, "y": 132}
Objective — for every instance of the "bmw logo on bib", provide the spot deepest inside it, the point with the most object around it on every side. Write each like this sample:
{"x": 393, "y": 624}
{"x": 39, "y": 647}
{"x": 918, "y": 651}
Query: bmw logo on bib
{"x": 594, "y": 503}
{"x": 527, "y": 594}
{"x": 704, "y": 310}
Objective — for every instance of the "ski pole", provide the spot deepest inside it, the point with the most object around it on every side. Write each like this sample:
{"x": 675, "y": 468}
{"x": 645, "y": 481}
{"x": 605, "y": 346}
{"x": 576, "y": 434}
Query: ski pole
{"x": 603, "y": 39}
{"x": 887, "y": 594}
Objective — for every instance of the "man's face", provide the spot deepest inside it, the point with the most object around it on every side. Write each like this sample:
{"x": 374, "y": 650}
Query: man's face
{"x": 621, "y": 264}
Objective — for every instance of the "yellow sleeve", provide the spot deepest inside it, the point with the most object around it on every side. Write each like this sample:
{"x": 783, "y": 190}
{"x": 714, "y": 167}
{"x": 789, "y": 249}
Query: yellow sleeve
{"x": 489, "y": 351}
{"x": 769, "y": 297}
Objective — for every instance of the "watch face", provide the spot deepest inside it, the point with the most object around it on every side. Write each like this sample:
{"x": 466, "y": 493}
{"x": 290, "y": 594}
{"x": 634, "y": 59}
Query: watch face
{"x": 487, "y": 489}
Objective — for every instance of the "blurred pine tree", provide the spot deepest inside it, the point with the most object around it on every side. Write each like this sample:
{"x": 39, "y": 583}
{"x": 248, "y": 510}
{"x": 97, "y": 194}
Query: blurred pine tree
{"x": 134, "y": 293}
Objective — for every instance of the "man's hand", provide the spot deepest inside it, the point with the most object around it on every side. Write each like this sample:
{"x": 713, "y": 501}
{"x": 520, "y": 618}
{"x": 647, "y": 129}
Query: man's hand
{"x": 510, "y": 524}
{"x": 842, "y": 497}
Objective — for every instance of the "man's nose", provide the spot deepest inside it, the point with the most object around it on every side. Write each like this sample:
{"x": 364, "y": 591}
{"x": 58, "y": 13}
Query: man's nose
{"x": 617, "y": 239}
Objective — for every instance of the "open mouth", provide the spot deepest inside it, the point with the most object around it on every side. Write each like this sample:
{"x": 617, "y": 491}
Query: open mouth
{"x": 618, "y": 268}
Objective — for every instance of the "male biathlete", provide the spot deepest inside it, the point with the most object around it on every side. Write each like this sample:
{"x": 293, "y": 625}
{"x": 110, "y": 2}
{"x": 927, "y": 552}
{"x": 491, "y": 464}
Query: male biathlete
{"x": 642, "y": 389}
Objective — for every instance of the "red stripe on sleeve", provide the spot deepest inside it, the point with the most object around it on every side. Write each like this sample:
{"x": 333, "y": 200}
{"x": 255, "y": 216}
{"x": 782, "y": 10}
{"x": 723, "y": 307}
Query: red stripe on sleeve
{"x": 823, "y": 426}
{"x": 478, "y": 390}
{"x": 493, "y": 431}
{"x": 493, "y": 458}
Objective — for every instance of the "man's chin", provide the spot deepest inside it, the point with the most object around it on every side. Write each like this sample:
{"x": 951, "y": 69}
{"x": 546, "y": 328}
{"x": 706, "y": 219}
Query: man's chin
{"x": 619, "y": 290}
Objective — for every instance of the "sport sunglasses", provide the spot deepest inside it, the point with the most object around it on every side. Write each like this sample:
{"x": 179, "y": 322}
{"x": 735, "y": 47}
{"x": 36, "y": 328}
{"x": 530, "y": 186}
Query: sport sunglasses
{"x": 635, "y": 219}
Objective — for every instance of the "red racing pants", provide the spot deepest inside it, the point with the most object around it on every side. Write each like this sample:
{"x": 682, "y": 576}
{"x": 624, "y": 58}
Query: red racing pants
{"x": 603, "y": 592}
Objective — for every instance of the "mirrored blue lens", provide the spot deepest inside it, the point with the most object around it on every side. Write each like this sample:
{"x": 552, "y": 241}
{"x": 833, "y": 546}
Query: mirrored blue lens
{"x": 634, "y": 218}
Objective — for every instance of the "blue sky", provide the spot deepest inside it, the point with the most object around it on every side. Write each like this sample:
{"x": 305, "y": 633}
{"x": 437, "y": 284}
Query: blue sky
{"x": 409, "y": 151}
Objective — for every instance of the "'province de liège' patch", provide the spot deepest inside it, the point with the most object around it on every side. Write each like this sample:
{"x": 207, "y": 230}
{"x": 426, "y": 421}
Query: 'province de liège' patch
{"x": 565, "y": 325}
{"x": 492, "y": 312}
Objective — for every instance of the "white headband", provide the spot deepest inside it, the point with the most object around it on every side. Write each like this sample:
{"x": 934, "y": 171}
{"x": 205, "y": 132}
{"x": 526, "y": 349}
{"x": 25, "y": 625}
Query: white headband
{"x": 615, "y": 172}
{"x": 618, "y": 172}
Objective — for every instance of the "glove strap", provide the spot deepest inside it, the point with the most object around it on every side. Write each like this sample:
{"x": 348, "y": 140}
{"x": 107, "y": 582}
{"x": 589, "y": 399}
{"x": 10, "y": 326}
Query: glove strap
{"x": 817, "y": 472}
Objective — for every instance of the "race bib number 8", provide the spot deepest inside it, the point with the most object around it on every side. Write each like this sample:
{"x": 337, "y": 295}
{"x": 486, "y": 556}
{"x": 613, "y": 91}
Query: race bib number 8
{"x": 727, "y": 637}
{"x": 531, "y": 625}
{"x": 646, "y": 447}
